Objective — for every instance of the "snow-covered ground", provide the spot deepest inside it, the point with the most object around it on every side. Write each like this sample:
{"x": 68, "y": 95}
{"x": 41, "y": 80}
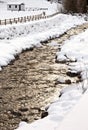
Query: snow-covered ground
{"x": 15, "y": 38}
{"x": 31, "y": 8}
{"x": 78, "y": 117}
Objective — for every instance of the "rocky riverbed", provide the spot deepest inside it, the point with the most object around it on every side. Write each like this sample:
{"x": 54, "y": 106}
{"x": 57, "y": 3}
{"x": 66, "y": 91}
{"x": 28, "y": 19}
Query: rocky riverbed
{"x": 28, "y": 84}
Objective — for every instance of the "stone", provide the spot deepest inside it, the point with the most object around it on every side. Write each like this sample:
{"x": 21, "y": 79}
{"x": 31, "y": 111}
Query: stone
{"x": 67, "y": 81}
{"x": 44, "y": 114}
{"x": 72, "y": 73}
{"x": 23, "y": 109}
{"x": 15, "y": 113}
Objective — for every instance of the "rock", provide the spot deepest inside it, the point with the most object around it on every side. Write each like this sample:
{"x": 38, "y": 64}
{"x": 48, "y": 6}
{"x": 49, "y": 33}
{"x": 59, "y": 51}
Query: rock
{"x": 60, "y": 61}
{"x": 60, "y": 58}
{"x": 15, "y": 113}
{"x": 79, "y": 77}
{"x": 44, "y": 42}
{"x": 17, "y": 57}
{"x": 44, "y": 114}
{"x": 63, "y": 81}
{"x": 60, "y": 81}
{"x": 23, "y": 109}
{"x": 25, "y": 119}
{"x": 72, "y": 73}
{"x": 68, "y": 81}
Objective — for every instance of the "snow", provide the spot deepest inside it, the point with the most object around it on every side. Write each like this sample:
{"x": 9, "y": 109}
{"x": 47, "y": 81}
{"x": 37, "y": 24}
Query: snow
{"x": 78, "y": 117}
{"x": 31, "y": 8}
{"x": 14, "y": 3}
{"x": 22, "y": 36}
{"x": 17, "y": 37}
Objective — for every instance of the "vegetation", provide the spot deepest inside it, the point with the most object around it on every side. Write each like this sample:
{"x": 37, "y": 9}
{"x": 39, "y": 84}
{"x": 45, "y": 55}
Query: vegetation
{"x": 76, "y": 6}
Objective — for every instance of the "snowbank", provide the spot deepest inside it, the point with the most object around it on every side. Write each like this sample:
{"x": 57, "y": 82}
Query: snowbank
{"x": 78, "y": 117}
{"x": 15, "y": 38}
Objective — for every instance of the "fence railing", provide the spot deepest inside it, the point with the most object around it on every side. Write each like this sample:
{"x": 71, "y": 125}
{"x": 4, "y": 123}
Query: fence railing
{"x": 25, "y": 19}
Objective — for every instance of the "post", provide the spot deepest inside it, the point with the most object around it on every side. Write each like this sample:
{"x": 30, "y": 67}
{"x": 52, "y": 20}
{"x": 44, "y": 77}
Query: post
{"x": 0, "y": 22}
{"x": 27, "y": 17}
{"x": 5, "y": 21}
{"x": 18, "y": 19}
{"x": 35, "y": 17}
{"x": 14, "y": 20}
{"x": 30, "y": 18}
{"x": 10, "y": 21}
{"x": 21, "y": 19}
{"x": 44, "y": 14}
{"x": 24, "y": 19}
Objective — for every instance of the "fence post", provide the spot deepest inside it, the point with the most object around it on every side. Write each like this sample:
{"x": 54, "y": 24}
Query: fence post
{"x": 24, "y": 19}
{"x": 27, "y": 18}
{"x": 30, "y": 18}
{"x": 21, "y": 19}
{"x": 15, "y": 20}
{"x": 0, "y": 22}
{"x": 33, "y": 18}
{"x": 5, "y": 21}
{"x": 10, "y": 21}
{"x": 38, "y": 17}
{"x": 18, "y": 19}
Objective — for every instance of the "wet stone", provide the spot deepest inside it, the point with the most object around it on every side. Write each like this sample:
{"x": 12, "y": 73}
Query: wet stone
{"x": 44, "y": 114}
{"x": 23, "y": 109}
{"x": 72, "y": 74}
{"x": 15, "y": 113}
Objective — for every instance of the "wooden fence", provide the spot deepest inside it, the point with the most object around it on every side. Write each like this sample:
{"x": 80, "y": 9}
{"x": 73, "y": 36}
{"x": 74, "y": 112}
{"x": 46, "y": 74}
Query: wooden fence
{"x": 25, "y": 19}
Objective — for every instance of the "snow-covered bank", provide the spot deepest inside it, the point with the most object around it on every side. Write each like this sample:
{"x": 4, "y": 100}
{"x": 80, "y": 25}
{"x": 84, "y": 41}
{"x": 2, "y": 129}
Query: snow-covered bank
{"x": 75, "y": 49}
{"x": 19, "y": 37}
{"x": 78, "y": 117}
{"x": 80, "y": 41}
{"x": 56, "y": 25}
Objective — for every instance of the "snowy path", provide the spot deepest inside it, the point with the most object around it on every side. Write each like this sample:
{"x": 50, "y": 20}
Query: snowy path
{"x": 28, "y": 84}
